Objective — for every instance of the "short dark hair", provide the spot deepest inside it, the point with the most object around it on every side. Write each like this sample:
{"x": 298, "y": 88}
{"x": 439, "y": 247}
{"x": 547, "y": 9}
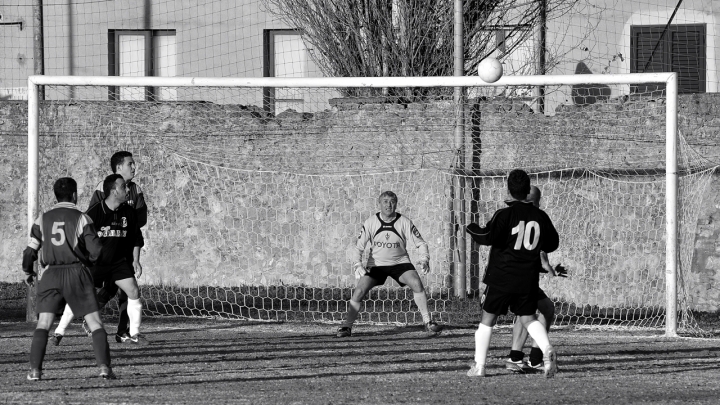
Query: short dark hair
{"x": 118, "y": 158}
{"x": 388, "y": 194}
{"x": 518, "y": 184}
{"x": 109, "y": 183}
{"x": 64, "y": 188}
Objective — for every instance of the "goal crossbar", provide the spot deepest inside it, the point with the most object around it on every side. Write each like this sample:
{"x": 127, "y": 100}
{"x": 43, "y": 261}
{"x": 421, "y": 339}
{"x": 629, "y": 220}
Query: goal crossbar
{"x": 345, "y": 82}
{"x": 671, "y": 110}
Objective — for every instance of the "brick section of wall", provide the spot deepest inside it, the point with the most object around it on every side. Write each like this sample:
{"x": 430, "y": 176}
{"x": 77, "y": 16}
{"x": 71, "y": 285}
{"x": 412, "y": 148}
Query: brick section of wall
{"x": 353, "y": 136}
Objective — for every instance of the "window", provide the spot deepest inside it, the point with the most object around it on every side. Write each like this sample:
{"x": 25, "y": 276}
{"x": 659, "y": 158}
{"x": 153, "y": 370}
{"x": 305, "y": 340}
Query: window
{"x": 285, "y": 55}
{"x": 681, "y": 49}
{"x": 142, "y": 53}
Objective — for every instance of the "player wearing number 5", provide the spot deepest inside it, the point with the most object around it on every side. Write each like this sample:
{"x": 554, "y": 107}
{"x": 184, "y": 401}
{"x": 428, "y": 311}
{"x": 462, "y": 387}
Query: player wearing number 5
{"x": 516, "y": 235}
{"x": 64, "y": 241}
{"x": 388, "y": 232}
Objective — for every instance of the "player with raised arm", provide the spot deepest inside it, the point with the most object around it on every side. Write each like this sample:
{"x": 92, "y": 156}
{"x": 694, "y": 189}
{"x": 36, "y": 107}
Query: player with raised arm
{"x": 516, "y": 234}
{"x": 122, "y": 163}
{"x": 546, "y": 307}
{"x": 388, "y": 233}
{"x": 64, "y": 241}
{"x": 120, "y": 236}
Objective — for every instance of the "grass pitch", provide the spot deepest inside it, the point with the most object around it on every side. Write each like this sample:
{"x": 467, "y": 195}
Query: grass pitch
{"x": 191, "y": 361}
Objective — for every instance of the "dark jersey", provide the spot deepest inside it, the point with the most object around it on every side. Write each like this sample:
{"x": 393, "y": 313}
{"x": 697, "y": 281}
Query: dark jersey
{"x": 63, "y": 236}
{"x": 516, "y": 235}
{"x": 118, "y": 232}
{"x": 136, "y": 200}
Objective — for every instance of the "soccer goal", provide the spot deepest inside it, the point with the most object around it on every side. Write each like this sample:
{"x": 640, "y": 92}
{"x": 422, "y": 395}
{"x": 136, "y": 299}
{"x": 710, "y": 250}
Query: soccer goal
{"x": 257, "y": 187}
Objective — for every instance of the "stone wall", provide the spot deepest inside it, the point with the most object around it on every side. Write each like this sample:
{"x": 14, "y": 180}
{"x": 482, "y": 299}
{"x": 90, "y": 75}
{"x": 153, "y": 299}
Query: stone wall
{"x": 213, "y": 218}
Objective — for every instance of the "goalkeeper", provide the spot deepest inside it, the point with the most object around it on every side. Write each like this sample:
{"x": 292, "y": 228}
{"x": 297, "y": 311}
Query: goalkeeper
{"x": 546, "y": 308}
{"x": 388, "y": 232}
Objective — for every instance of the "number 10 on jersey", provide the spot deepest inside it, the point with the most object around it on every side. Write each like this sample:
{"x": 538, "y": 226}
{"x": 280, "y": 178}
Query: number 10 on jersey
{"x": 525, "y": 233}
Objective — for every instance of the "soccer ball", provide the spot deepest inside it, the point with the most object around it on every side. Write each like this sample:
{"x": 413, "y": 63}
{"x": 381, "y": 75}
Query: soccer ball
{"x": 490, "y": 70}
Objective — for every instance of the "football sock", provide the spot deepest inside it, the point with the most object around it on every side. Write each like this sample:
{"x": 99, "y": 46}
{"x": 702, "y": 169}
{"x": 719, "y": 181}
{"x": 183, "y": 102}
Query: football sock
{"x": 421, "y": 302}
{"x": 482, "y": 344}
{"x": 517, "y": 355}
{"x": 124, "y": 320}
{"x": 538, "y": 333}
{"x": 65, "y": 320}
{"x": 353, "y": 309}
{"x": 134, "y": 311}
{"x": 104, "y": 295}
{"x": 536, "y": 356}
{"x": 37, "y": 348}
{"x": 101, "y": 347}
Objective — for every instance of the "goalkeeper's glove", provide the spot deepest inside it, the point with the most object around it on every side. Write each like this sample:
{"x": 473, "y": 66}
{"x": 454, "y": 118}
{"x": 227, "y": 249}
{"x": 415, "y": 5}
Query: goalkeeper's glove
{"x": 560, "y": 270}
{"x": 359, "y": 270}
{"x": 424, "y": 267}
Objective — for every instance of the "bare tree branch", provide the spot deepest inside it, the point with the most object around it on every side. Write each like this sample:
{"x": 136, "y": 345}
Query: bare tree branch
{"x": 410, "y": 37}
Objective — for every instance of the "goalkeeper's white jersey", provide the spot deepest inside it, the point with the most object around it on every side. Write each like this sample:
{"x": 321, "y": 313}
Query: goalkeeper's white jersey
{"x": 388, "y": 241}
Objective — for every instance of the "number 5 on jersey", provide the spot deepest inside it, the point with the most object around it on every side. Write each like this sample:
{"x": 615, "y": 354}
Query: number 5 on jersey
{"x": 525, "y": 233}
{"x": 59, "y": 232}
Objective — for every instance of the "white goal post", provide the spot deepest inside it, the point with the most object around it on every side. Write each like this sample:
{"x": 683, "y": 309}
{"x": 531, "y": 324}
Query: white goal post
{"x": 671, "y": 110}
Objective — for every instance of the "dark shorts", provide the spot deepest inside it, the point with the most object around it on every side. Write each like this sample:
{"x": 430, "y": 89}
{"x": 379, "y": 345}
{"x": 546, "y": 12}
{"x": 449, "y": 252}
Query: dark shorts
{"x": 108, "y": 275}
{"x": 72, "y": 285}
{"x": 541, "y": 294}
{"x": 497, "y": 302}
{"x": 381, "y": 273}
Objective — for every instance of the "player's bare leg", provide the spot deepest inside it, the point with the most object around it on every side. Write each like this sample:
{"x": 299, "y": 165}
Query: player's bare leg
{"x": 482, "y": 344}
{"x": 365, "y": 284}
{"x": 39, "y": 344}
{"x": 516, "y": 362}
{"x": 134, "y": 308}
{"x": 538, "y": 332}
{"x": 412, "y": 280}
{"x": 519, "y": 335}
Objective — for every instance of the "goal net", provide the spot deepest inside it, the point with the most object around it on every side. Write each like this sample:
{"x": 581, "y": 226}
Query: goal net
{"x": 257, "y": 188}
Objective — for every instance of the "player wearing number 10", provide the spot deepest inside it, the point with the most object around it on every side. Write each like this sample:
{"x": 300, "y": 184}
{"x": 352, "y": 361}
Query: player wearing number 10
{"x": 517, "y": 234}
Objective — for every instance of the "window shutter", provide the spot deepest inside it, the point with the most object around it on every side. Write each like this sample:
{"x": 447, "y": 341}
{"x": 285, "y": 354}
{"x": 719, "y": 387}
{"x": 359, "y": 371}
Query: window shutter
{"x": 688, "y": 58}
{"x": 681, "y": 50}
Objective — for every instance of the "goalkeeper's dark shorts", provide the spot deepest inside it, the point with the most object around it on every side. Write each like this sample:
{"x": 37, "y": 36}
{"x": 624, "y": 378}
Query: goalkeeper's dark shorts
{"x": 541, "y": 294}
{"x": 497, "y": 302}
{"x": 72, "y": 285}
{"x": 381, "y": 273}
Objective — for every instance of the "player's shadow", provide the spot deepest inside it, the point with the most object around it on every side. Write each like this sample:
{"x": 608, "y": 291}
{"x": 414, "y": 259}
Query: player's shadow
{"x": 155, "y": 383}
{"x": 281, "y": 351}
